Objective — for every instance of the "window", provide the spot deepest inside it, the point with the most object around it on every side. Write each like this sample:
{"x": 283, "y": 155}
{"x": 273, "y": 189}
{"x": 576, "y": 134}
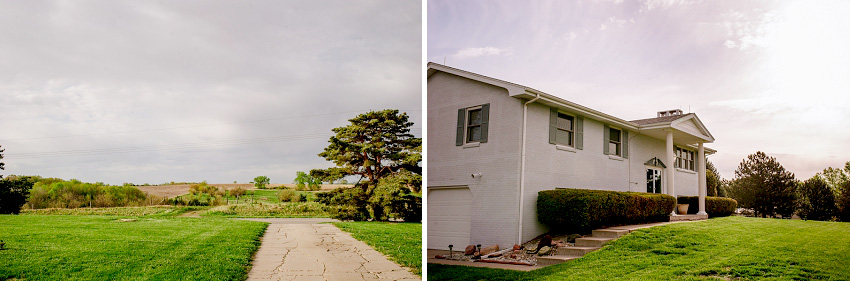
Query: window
{"x": 564, "y": 130}
{"x": 685, "y": 159}
{"x": 473, "y": 127}
{"x": 472, "y": 124}
{"x": 614, "y": 142}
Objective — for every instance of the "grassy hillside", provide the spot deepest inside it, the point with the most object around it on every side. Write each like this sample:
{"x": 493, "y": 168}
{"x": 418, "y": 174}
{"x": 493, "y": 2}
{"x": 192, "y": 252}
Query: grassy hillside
{"x": 730, "y": 248}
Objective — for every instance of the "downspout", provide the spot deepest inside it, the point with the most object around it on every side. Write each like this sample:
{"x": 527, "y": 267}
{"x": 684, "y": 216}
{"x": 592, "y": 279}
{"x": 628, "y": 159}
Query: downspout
{"x": 629, "y": 143}
{"x": 522, "y": 165}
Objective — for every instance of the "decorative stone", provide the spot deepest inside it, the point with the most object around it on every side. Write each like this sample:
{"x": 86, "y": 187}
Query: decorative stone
{"x": 489, "y": 249}
{"x": 517, "y": 247}
{"x": 544, "y": 251}
{"x": 470, "y": 250}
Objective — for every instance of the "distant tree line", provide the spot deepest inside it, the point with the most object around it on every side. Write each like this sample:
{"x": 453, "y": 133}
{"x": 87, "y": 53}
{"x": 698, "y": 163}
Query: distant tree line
{"x": 763, "y": 186}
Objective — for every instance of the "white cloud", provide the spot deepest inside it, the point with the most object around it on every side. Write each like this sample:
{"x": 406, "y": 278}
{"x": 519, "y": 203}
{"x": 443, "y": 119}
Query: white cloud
{"x": 480, "y": 52}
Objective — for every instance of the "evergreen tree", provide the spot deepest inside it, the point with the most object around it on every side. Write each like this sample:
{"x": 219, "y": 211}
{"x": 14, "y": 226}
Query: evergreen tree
{"x": 815, "y": 200}
{"x": 762, "y": 184}
{"x": 375, "y": 145}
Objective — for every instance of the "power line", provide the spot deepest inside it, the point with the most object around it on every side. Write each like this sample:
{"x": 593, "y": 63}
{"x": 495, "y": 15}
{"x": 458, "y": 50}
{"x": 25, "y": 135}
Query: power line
{"x": 83, "y": 152}
{"x": 195, "y": 126}
{"x": 195, "y": 145}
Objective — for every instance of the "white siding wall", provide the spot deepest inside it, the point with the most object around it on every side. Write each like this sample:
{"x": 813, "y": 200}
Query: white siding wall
{"x": 495, "y": 213}
{"x": 495, "y": 194}
{"x": 548, "y": 167}
{"x": 589, "y": 168}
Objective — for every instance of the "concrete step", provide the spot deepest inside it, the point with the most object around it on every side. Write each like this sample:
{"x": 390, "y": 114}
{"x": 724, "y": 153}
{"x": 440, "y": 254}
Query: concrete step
{"x": 592, "y": 241}
{"x": 610, "y": 233}
{"x": 550, "y": 260}
{"x": 575, "y": 251}
{"x": 688, "y": 217}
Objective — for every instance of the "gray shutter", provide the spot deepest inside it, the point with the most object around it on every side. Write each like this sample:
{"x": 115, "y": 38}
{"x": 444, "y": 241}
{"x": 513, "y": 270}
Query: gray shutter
{"x": 461, "y": 116}
{"x": 607, "y": 135}
{"x": 553, "y": 120}
{"x": 696, "y": 160}
{"x": 625, "y": 141}
{"x": 485, "y": 121}
{"x": 579, "y": 132}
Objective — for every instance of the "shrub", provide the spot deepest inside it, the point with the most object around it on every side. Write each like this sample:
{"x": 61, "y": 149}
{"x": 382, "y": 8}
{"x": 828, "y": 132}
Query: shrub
{"x": 76, "y": 194}
{"x": 13, "y": 195}
{"x": 714, "y": 206}
{"x": 815, "y": 200}
{"x": 286, "y": 195}
{"x": 346, "y": 203}
{"x": 582, "y": 210}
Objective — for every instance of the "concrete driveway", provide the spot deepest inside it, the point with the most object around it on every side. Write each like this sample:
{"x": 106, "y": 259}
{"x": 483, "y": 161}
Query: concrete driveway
{"x": 305, "y": 249}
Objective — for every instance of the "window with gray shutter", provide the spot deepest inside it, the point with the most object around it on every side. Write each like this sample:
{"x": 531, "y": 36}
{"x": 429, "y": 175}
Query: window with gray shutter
{"x": 473, "y": 124}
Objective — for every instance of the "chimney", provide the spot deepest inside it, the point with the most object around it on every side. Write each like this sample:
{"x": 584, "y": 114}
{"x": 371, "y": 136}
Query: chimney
{"x": 672, "y": 112}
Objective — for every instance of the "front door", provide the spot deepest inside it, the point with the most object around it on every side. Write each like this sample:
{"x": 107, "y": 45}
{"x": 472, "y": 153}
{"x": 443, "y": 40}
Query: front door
{"x": 653, "y": 180}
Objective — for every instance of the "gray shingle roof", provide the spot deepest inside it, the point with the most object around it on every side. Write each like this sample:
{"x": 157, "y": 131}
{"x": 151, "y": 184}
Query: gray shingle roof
{"x": 657, "y": 120}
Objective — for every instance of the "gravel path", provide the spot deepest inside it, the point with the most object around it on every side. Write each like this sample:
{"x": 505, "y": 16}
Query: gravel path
{"x": 303, "y": 249}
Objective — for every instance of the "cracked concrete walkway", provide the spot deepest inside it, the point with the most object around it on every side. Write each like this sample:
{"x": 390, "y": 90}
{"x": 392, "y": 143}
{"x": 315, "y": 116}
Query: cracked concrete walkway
{"x": 294, "y": 249}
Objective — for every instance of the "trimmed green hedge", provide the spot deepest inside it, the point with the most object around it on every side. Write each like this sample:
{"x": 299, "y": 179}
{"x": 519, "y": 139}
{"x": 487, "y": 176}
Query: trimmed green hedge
{"x": 714, "y": 206}
{"x": 582, "y": 210}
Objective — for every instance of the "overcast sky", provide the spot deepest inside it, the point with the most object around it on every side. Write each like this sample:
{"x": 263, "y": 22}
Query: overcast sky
{"x": 770, "y": 76}
{"x": 223, "y": 91}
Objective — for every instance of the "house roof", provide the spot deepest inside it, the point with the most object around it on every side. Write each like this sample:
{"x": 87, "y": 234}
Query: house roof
{"x": 651, "y": 126}
{"x": 659, "y": 120}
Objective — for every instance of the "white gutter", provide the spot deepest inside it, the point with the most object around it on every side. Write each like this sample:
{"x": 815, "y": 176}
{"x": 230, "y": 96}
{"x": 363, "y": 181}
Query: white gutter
{"x": 522, "y": 165}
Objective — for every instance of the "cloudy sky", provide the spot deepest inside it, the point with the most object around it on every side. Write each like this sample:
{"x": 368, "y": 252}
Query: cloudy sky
{"x": 770, "y": 76}
{"x": 223, "y": 91}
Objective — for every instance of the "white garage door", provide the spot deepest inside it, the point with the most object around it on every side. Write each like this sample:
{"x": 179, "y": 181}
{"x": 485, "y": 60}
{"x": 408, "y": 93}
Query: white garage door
{"x": 449, "y": 216}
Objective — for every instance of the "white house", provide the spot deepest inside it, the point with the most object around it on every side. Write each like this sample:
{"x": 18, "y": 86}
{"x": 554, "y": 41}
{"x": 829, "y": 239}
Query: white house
{"x": 493, "y": 145}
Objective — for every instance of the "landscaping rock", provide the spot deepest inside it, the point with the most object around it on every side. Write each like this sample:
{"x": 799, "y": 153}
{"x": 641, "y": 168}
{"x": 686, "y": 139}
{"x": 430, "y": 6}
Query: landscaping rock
{"x": 489, "y": 249}
{"x": 470, "y": 250}
{"x": 572, "y": 238}
{"x": 544, "y": 251}
{"x": 517, "y": 247}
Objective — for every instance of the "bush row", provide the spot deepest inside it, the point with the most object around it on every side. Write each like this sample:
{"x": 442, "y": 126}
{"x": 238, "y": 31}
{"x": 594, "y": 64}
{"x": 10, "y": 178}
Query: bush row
{"x": 582, "y": 210}
{"x": 75, "y": 194}
{"x": 714, "y": 206}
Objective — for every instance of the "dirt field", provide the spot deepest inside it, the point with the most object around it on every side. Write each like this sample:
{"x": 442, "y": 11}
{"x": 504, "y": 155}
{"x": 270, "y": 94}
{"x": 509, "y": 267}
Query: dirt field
{"x": 180, "y": 189}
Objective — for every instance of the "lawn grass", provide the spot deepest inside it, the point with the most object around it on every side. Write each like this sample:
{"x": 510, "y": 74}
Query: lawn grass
{"x": 401, "y": 242}
{"x": 716, "y": 249}
{"x": 266, "y": 210}
{"x": 102, "y": 248}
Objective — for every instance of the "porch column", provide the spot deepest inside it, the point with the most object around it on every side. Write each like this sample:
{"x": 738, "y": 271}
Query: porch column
{"x": 671, "y": 171}
{"x": 701, "y": 175}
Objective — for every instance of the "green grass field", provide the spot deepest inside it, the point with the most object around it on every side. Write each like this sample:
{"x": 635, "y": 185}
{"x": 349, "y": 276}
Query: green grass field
{"x": 731, "y": 248}
{"x": 402, "y": 242}
{"x": 70, "y": 247}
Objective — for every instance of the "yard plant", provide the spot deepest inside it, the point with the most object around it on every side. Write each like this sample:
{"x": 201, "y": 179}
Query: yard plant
{"x": 104, "y": 248}
{"x": 729, "y": 248}
{"x": 581, "y": 210}
{"x": 714, "y": 206}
